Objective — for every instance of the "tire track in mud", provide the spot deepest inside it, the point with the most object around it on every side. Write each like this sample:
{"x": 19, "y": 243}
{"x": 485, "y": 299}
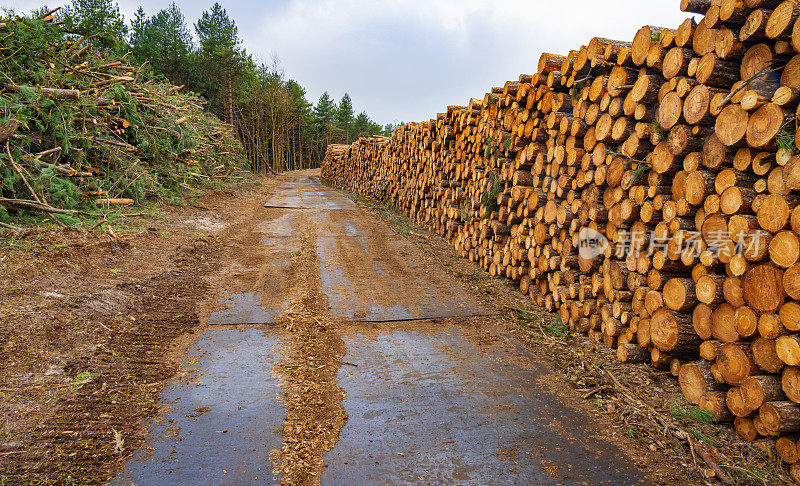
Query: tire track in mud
{"x": 314, "y": 350}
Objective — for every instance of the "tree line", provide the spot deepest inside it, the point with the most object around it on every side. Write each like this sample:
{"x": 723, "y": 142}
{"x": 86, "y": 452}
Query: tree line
{"x": 278, "y": 127}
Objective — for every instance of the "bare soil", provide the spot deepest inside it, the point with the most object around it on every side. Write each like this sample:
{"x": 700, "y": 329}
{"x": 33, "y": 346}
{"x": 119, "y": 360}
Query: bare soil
{"x": 92, "y": 328}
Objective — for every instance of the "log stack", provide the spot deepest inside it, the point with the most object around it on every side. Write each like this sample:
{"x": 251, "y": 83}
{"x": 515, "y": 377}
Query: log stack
{"x": 646, "y": 191}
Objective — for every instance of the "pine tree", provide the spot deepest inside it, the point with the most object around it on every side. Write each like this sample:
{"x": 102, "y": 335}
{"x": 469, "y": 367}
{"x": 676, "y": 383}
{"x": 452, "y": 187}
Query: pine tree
{"x": 100, "y": 19}
{"x": 324, "y": 117}
{"x": 344, "y": 116}
{"x": 360, "y": 125}
{"x": 138, "y": 37}
{"x": 220, "y": 55}
{"x": 301, "y": 118}
{"x": 164, "y": 41}
{"x": 176, "y": 43}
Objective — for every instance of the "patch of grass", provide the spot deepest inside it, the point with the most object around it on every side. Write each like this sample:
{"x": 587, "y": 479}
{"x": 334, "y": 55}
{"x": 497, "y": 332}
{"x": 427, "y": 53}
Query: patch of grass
{"x": 284, "y": 428}
{"x": 681, "y": 411}
{"x": 702, "y": 437}
{"x": 115, "y": 271}
{"x": 537, "y": 338}
{"x": 489, "y": 194}
{"x": 489, "y": 150}
{"x": 525, "y": 316}
{"x": 176, "y": 201}
{"x": 124, "y": 228}
{"x": 121, "y": 358}
{"x": 509, "y": 141}
{"x": 474, "y": 276}
{"x": 655, "y": 37}
{"x": 785, "y": 139}
{"x": 762, "y": 474}
{"x": 656, "y": 128}
{"x": 556, "y": 328}
{"x": 86, "y": 376}
{"x": 402, "y": 223}
{"x": 633, "y": 432}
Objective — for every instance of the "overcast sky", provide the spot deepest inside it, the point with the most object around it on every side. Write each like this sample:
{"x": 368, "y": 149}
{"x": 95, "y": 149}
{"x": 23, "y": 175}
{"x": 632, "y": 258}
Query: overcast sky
{"x": 406, "y": 60}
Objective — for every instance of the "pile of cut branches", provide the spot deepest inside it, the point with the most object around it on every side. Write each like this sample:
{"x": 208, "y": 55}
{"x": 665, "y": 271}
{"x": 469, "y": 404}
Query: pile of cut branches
{"x": 81, "y": 128}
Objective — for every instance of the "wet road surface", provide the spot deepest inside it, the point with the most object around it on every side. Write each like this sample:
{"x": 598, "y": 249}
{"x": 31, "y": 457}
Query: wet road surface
{"x": 425, "y": 404}
{"x": 419, "y": 412}
{"x": 222, "y": 418}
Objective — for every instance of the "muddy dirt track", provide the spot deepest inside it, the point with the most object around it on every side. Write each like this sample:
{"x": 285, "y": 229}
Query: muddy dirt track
{"x": 282, "y": 334}
{"x": 429, "y": 398}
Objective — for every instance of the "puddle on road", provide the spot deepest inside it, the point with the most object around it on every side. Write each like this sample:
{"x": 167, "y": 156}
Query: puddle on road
{"x": 222, "y": 423}
{"x": 246, "y": 309}
{"x": 280, "y": 225}
{"x": 368, "y": 272}
{"x": 308, "y": 193}
{"x": 376, "y": 292}
{"x": 431, "y": 409}
{"x": 206, "y": 224}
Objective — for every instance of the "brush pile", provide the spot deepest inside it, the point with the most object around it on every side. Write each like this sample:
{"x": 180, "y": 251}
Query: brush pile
{"x": 81, "y": 128}
{"x": 646, "y": 191}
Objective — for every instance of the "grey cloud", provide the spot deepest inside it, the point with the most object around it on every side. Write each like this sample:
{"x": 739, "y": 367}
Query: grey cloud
{"x": 407, "y": 60}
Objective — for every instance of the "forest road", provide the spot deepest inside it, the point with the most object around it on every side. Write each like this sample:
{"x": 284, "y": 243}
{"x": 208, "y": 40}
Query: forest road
{"x": 339, "y": 351}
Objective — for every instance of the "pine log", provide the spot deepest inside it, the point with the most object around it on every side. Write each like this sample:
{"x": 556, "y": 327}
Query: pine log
{"x": 715, "y": 402}
{"x": 746, "y": 321}
{"x": 69, "y": 94}
{"x": 674, "y": 334}
{"x": 696, "y": 6}
{"x": 723, "y": 324}
{"x": 765, "y": 355}
{"x": 734, "y": 399}
{"x": 786, "y": 447}
{"x": 773, "y": 213}
{"x": 790, "y": 383}
{"x": 757, "y": 390}
{"x": 731, "y": 125}
{"x": 735, "y": 362}
{"x": 669, "y": 110}
{"x": 790, "y": 315}
{"x": 745, "y": 429}
{"x": 763, "y": 288}
{"x": 780, "y": 417}
{"x": 782, "y": 19}
{"x": 695, "y": 380}
{"x": 714, "y": 71}
{"x": 763, "y": 125}
{"x": 791, "y": 281}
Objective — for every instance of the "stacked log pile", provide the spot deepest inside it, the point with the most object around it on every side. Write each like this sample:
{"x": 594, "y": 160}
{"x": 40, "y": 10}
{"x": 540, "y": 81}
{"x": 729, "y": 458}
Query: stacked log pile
{"x": 646, "y": 191}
